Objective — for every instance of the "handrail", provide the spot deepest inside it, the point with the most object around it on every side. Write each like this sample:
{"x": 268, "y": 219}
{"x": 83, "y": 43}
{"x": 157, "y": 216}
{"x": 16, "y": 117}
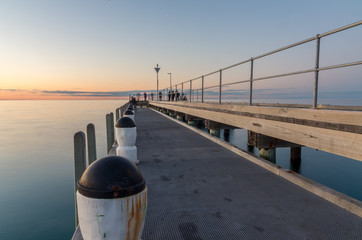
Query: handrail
{"x": 316, "y": 69}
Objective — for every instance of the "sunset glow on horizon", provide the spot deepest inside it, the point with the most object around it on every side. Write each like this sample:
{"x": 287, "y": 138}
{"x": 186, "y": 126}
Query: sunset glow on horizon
{"x": 106, "y": 49}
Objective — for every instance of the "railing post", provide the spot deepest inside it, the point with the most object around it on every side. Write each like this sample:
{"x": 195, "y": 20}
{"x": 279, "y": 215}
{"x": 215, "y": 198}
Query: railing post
{"x": 190, "y": 89}
{"x": 316, "y": 72}
{"x": 176, "y": 93}
{"x": 79, "y": 165}
{"x": 202, "y": 89}
{"x": 220, "y": 86}
{"x": 251, "y": 81}
{"x": 91, "y": 142}
{"x": 182, "y": 91}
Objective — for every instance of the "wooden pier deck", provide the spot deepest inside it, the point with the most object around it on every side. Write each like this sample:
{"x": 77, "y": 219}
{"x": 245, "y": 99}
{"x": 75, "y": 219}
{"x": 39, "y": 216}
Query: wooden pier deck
{"x": 199, "y": 190}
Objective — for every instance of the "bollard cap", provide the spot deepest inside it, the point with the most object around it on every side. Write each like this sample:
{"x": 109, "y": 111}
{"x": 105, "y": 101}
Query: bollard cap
{"x": 128, "y": 112}
{"x": 111, "y": 177}
{"x": 125, "y": 122}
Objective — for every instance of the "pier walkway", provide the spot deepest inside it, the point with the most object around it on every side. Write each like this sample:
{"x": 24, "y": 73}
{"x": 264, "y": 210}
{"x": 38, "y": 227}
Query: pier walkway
{"x": 199, "y": 190}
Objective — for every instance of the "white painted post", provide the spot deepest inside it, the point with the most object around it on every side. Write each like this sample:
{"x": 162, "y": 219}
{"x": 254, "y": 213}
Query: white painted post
{"x": 126, "y": 134}
{"x": 112, "y": 200}
{"x": 129, "y": 114}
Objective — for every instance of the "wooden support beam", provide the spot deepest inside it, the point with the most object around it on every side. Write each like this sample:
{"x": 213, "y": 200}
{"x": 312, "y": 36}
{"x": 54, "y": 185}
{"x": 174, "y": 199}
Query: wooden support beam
{"x": 295, "y": 158}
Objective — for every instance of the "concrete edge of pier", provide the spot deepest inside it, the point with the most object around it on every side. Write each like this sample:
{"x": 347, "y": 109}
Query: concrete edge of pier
{"x": 350, "y": 204}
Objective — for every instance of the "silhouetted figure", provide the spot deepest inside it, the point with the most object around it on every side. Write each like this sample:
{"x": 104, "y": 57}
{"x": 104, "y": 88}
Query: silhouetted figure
{"x": 184, "y": 98}
{"x": 145, "y": 95}
{"x": 133, "y": 99}
{"x": 172, "y": 95}
{"x": 169, "y": 95}
{"x": 177, "y": 95}
{"x": 160, "y": 96}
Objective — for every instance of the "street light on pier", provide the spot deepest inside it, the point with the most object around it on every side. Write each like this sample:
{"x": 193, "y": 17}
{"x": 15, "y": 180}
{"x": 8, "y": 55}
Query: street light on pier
{"x": 170, "y": 82}
{"x": 157, "y": 69}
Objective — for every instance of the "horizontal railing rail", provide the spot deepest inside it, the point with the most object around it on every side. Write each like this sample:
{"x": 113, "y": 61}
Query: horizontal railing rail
{"x": 187, "y": 89}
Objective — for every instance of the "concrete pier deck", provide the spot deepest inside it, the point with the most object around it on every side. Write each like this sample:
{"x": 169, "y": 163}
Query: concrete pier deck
{"x": 200, "y": 190}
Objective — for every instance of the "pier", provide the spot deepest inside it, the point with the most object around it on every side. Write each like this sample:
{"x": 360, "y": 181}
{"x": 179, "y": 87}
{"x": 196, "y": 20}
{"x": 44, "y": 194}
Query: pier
{"x": 199, "y": 189}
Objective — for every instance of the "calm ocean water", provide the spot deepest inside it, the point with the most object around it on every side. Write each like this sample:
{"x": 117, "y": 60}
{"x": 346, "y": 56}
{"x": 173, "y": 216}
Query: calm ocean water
{"x": 36, "y": 156}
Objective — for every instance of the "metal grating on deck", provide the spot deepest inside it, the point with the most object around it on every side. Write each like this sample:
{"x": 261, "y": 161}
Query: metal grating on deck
{"x": 199, "y": 190}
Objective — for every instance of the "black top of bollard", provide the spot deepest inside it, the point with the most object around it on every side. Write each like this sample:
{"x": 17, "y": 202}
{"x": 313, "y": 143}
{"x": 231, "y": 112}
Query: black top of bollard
{"x": 128, "y": 112}
{"x": 125, "y": 122}
{"x": 111, "y": 177}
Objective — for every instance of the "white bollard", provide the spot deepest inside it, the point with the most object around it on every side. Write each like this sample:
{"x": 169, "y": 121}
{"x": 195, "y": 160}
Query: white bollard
{"x": 126, "y": 134}
{"x": 112, "y": 200}
{"x": 131, "y": 108}
{"x": 129, "y": 114}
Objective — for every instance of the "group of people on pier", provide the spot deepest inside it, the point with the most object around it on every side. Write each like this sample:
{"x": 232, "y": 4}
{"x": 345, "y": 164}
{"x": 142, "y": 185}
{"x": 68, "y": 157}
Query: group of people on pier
{"x": 171, "y": 96}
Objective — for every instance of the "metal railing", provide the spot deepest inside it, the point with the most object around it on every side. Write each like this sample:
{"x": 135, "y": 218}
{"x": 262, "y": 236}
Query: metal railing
{"x": 192, "y": 92}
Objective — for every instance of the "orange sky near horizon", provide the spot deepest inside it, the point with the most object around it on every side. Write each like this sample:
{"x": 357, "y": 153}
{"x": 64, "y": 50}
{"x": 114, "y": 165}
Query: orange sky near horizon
{"x": 38, "y": 95}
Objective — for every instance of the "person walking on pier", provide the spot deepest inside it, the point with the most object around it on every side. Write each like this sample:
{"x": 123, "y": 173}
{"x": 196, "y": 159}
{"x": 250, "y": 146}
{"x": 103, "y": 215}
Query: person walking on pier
{"x": 160, "y": 96}
{"x": 177, "y": 95}
{"x": 145, "y": 96}
{"x": 169, "y": 95}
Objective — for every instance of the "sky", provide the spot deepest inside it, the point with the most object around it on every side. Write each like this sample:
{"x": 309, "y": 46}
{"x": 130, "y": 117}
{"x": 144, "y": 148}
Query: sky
{"x": 95, "y": 49}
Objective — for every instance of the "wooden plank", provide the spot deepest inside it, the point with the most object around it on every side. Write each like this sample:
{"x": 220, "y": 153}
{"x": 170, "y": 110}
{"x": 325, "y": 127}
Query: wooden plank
{"x": 329, "y": 116}
{"x": 342, "y": 143}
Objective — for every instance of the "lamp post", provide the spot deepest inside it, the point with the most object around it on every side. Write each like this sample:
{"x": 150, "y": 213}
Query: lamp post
{"x": 170, "y": 82}
{"x": 157, "y": 69}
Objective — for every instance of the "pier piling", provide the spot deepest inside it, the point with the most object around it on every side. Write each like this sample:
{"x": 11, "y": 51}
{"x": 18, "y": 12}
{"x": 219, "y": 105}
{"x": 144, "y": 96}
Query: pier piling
{"x": 109, "y": 128}
{"x": 268, "y": 154}
{"x": 91, "y": 142}
{"x": 79, "y": 163}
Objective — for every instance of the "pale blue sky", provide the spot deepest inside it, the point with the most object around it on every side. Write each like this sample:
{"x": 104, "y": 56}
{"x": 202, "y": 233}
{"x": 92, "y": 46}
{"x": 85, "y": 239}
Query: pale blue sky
{"x": 101, "y": 45}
